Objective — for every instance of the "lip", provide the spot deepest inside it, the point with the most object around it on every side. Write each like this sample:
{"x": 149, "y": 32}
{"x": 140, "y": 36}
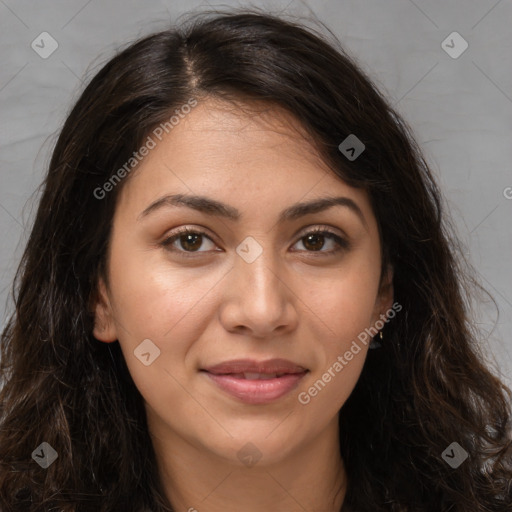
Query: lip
{"x": 250, "y": 365}
{"x": 227, "y": 377}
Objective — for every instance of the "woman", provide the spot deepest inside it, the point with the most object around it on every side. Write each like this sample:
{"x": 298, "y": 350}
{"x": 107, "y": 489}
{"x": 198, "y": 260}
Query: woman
{"x": 240, "y": 293}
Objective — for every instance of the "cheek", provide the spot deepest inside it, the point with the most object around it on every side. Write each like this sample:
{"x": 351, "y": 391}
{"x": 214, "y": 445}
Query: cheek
{"x": 168, "y": 311}
{"x": 153, "y": 297}
{"x": 324, "y": 397}
{"x": 155, "y": 302}
{"x": 345, "y": 302}
{"x": 346, "y": 309}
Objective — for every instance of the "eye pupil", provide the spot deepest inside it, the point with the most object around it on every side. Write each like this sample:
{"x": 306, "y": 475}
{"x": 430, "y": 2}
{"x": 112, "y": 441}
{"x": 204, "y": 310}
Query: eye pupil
{"x": 186, "y": 239}
{"x": 317, "y": 246}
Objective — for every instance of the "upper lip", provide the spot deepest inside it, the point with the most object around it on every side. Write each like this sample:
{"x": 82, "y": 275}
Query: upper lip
{"x": 252, "y": 366}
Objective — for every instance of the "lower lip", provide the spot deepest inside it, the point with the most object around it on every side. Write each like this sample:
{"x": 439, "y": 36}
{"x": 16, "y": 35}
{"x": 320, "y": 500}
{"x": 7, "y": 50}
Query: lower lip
{"x": 257, "y": 391}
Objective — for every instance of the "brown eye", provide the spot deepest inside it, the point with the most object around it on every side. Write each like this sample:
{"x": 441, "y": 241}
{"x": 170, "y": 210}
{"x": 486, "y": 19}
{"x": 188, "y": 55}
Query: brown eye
{"x": 186, "y": 241}
{"x": 191, "y": 241}
{"x": 315, "y": 241}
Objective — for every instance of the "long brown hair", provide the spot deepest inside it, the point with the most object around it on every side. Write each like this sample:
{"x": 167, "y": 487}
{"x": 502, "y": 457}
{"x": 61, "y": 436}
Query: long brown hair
{"x": 424, "y": 389}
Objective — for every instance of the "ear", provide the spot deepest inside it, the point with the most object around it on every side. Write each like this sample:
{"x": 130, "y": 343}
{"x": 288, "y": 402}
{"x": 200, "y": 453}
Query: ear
{"x": 104, "y": 327}
{"x": 385, "y": 296}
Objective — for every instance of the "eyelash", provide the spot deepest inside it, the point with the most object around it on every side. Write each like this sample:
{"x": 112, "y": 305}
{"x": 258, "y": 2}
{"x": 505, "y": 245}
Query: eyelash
{"x": 341, "y": 242}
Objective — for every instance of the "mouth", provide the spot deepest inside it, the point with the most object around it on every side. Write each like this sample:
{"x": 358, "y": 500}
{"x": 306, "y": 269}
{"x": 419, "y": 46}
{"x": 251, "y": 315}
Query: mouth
{"x": 254, "y": 375}
{"x": 256, "y": 382}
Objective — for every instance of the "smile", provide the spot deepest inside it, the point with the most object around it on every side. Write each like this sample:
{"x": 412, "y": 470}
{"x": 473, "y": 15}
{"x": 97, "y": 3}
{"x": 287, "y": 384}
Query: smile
{"x": 256, "y": 388}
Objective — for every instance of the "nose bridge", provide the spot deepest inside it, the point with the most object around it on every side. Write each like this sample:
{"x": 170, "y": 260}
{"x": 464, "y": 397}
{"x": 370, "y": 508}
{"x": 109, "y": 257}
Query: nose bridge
{"x": 257, "y": 265}
{"x": 258, "y": 297}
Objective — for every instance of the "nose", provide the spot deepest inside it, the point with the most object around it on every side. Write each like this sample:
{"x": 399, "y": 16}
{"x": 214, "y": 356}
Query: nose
{"x": 257, "y": 299}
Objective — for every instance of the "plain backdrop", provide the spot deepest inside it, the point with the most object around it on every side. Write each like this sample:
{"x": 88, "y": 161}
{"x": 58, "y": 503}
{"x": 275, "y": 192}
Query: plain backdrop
{"x": 459, "y": 105}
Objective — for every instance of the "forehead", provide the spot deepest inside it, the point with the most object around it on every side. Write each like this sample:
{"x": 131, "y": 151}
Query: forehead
{"x": 225, "y": 131}
{"x": 239, "y": 153}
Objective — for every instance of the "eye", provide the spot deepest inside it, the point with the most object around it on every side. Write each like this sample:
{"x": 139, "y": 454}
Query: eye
{"x": 191, "y": 241}
{"x": 314, "y": 241}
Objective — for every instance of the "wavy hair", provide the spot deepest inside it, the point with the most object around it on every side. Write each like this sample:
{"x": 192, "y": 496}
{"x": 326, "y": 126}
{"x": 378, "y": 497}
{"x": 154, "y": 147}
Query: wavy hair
{"x": 426, "y": 387}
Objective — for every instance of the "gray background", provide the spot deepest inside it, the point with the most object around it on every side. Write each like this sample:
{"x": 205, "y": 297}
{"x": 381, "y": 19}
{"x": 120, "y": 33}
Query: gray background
{"x": 460, "y": 108}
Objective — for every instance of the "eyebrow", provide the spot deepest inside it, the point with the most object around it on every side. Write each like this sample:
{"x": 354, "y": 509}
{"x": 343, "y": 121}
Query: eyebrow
{"x": 219, "y": 209}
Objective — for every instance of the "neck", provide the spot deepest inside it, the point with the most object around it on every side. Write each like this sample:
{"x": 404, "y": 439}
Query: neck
{"x": 312, "y": 477}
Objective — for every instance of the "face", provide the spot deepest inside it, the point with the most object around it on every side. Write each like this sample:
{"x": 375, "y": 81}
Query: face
{"x": 249, "y": 284}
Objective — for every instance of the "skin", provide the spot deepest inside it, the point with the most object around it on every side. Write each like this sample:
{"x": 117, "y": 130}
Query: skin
{"x": 292, "y": 302}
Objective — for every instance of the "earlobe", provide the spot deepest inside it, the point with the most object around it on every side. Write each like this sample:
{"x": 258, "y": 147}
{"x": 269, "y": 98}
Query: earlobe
{"x": 104, "y": 328}
{"x": 386, "y": 291}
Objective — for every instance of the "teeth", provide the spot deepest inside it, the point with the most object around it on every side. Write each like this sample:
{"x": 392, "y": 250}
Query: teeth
{"x": 259, "y": 376}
